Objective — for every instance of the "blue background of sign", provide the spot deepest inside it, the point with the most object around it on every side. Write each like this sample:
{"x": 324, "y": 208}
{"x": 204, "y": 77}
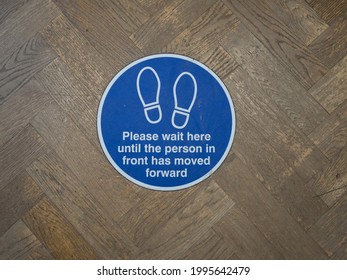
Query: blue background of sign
{"x": 122, "y": 110}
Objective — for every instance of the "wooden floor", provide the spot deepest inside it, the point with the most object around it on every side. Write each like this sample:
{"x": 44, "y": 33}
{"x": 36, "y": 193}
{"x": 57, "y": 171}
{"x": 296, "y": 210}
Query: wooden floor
{"x": 280, "y": 194}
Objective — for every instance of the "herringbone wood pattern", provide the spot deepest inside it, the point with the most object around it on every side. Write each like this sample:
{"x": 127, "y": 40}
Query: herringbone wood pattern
{"x": 281, "y": 193}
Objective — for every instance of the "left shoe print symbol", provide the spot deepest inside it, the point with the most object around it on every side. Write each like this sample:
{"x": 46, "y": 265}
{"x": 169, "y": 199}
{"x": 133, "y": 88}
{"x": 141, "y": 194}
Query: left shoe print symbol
{"x": 184, "y": 93}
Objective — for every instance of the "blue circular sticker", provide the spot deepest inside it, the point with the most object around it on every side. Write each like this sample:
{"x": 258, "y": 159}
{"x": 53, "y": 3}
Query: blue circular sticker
{"x": 166, "y": 122}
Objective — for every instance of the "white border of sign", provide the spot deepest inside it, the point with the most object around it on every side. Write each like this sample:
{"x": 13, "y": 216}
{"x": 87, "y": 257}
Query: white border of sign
{"x": 157, "y": 187}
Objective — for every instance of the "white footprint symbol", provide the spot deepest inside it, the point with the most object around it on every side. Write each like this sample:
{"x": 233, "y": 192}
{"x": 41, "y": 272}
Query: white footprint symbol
{"x": 185, "y": 98}
{"x": 148, "y": 96}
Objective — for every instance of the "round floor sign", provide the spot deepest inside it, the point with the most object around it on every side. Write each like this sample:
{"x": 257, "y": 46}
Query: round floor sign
{"x": 166, "y": 122}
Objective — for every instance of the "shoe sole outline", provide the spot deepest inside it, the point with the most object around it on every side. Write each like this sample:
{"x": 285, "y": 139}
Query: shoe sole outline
{"x": 180, "y": 110}
{"x": 152, "y": 105}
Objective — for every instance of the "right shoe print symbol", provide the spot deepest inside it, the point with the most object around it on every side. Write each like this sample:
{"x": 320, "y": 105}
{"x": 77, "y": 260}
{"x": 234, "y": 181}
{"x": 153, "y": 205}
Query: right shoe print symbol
{"x": 149, "y": 94}
{"x": 184, "y": 91}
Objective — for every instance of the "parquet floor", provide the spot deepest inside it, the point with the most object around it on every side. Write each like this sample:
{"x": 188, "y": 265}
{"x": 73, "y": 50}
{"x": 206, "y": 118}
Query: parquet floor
{"x": 281, "y": 193}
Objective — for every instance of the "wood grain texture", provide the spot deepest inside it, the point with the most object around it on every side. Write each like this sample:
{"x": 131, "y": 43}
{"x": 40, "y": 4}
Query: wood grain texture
{"x": 99, "y": 23}
{"x": 129, "y": 15}
{"x": 16, "y": 199}
{"x": 8, "y": 8}
{"x": 209, "y": 247}
{"x": 221, "y": 62}
{"x": 289, "y": 239}
{"x": 168, "y": 23}
{"x": 19, "y": 243}
{"x": 240, "y": 234}
{"x": 340, "y": 253}
{"x": 84, "y": 62}
{"x": 153, "y": 6}
{"x": 26, "y": 102}
{"x": 299, "y": 18}
{"x": 331, "y": 135}
{"x": 329, "y": 10}
{"x": 292, "y": 145}
{"x": 279, "y": 178}
{"x": 279, "y": 40}
{"x": 187, "y": 224}
{"x": 331, "y": 90}
{"x": 85, "y": 161}
{"x": 331, "y": 183}
{"x": 24, "y": 19}
{"x": 274, "y": 79}
{"x": 79, "y": 206}
{"x": 56, "y": 233}
{"x": 204, "y": 33}
{"x": 332, "y": 226}
{"x": 18, "y": 152}
{"x": 17, "y": 69}
{"x": 76, "y": 99}
{"x": 331, "y": 46}
{"x": 151, "y": 213}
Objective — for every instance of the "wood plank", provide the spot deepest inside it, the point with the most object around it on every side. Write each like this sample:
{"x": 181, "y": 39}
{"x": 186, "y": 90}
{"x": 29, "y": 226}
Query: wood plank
{"x": 331, "y": 90}
{"x": 19, "y": 152}
{"x": 38, "y": 253}
{"x": 210, "y": 247}
{"x": 189, "y": 221}
{"x": 279, "y": 40}
{"x": 83, "y": 60}
{"x": 331, "y": 183}
{"x": 269, "y": 217}
{"x": 26, "y": 103}
{"x": 159, "y": 30}
{"x": 331, "y": 46}
{"x": 8, "y": 8}
{"x": 24, "y": 19}
{"x": 70, "y": 94}
{"x": 279, "y": 178}
{"x": 19, "y": 243}
{"x": 80, "y": 208}
{"x": 18, "y": 68}
{"x": 151, "y": 213}
{"x": 331, "y": 230}
{"x": 340, "y": 253}
{"x": 220, "y": 62}
{"x": 129, "y": 14}
{"x": 329, "y": 10}
{"x": 331, "y": 135}
{"x": 91, "y": 167}
{"x": 56, "y": 233}
{"x": 16, "y": 198}
{"x": 98, "y": 23}
{"x": 299, "y": 18}
{"x": 278, "y": 85}
{"x": 241, "y": 235}
{"x": 259, "y": 109}
{"x": 153, "y": 6}
{"x": 204, "y": 33}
